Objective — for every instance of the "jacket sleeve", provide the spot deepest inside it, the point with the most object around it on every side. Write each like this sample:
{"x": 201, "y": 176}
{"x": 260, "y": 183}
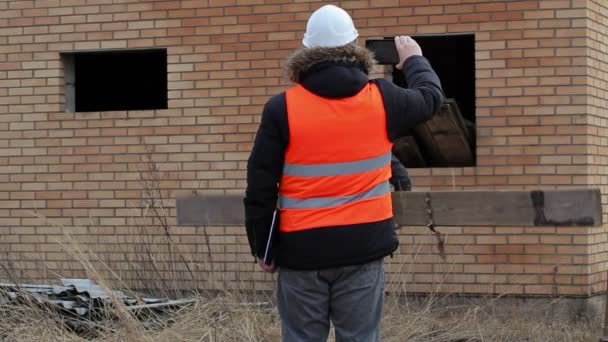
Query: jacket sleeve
{"x": 264, "y": 170}
{"x": 408, "y": 107}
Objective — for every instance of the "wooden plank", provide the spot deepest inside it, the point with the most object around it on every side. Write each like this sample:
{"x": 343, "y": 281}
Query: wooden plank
{"x": 409, "y": 208}
{"x": 557, "y": 207}
{"x": 444, "y": 140}
{"x": 480, "y": 208}
{"x": 447, "y": 208}
{"x": 503, "y": 208}
{"x": 407, "y": 151}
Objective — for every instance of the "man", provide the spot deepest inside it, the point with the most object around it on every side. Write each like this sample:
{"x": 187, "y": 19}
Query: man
{"x": 323, "y": 150}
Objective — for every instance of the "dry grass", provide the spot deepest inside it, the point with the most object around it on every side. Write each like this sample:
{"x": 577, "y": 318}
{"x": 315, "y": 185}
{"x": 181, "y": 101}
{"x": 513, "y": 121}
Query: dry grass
{"x": 433, "y": 319}
{"x": 225, "y": 318}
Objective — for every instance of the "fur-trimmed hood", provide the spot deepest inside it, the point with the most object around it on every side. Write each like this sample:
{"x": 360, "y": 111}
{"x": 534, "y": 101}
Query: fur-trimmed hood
{"x": 302, "y": 60}
{"x": 336, "y": 72}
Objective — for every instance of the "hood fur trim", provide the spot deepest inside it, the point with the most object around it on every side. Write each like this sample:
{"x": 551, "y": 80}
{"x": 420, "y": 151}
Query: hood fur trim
{"x": 303, "y": 59}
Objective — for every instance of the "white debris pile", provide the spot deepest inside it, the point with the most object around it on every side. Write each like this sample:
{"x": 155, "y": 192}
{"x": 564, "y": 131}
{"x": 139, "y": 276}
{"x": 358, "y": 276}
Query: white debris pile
{"x": 83, "y": 298}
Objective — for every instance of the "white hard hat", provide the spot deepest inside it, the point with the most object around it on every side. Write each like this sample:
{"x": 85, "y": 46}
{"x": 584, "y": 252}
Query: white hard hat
{"x": 329, "y": 26}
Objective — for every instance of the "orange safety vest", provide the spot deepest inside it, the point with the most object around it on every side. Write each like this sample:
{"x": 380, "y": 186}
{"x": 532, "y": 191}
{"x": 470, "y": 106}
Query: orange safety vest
{"x": 337, "y": 164}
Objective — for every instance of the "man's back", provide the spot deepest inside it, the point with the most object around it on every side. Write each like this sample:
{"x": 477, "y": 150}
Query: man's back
{"x": 336, "y": 76}
{"x": 323, "y": 155}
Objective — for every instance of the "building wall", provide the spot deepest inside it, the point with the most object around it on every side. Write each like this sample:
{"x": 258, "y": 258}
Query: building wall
{"x": 597, "y": 45}
{"x": 110, "y": 178}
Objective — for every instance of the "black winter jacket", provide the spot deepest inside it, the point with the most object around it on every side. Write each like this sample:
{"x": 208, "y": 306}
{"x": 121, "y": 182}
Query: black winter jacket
{"x": 331, "y": 73}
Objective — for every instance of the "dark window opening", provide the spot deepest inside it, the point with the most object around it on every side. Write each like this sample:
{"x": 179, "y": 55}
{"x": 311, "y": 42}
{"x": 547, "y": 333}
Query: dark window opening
{"x": 447, "y": 140}
{"x": 116, "y": 80}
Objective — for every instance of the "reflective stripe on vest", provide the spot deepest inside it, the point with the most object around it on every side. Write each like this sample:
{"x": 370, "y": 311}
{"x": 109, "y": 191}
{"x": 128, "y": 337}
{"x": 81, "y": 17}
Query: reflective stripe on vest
{"x": 337, "y": 164}
{"x": 345, "y": 168}
{"x": 326, "y": 202}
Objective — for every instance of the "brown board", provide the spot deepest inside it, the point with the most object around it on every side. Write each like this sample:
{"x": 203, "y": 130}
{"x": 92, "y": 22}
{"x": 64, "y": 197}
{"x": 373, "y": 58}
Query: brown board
{"x": 445, "y": 140}
{"x": 407, "y": 151}
{"x": 445, "y": 208}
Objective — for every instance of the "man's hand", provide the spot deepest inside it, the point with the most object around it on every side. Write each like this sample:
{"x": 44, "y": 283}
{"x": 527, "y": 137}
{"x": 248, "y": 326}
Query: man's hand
{"x": 267, "y": 268}
{"x": 406, "y": 47}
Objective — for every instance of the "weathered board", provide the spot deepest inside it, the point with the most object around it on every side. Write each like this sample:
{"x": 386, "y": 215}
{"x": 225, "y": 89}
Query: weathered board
{"x": 453, "y": 208}
{"x": 445, "y": 140}
{"x": 407, "y": 151}
{"x": 500, "y": 208}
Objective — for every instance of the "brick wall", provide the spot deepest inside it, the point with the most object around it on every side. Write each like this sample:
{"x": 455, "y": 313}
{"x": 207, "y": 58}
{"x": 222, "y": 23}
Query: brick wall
{"x": 597, "y": 44}
{"x": 540, "y": 117}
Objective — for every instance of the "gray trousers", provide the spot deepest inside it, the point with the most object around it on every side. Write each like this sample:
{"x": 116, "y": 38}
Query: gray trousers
{"x": 351, "y": 297}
